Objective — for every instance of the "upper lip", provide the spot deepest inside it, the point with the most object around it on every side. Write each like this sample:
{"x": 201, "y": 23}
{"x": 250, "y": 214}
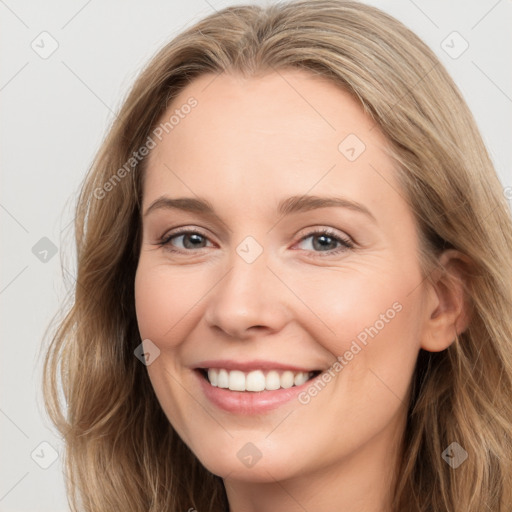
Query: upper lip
{"x": 245, "y": 366}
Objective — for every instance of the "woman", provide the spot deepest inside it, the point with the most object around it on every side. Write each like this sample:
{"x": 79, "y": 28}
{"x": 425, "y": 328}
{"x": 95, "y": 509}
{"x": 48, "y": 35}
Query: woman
{"x": 293, "y": 287}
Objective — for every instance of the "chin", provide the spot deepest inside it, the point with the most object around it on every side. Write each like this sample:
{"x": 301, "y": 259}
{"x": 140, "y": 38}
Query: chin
{"x": 250, "y": 463}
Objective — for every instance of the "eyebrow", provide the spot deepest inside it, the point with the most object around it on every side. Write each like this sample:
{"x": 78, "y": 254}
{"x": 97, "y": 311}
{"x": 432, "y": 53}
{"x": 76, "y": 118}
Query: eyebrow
{"x": 293, "y": 204}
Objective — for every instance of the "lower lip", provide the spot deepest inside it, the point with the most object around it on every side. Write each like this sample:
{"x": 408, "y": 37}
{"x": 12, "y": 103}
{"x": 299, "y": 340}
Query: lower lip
{"x": 249, "y": 402}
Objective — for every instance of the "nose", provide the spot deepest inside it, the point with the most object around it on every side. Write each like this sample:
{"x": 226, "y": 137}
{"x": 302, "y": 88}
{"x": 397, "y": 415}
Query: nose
{"x": 248, "y": 301}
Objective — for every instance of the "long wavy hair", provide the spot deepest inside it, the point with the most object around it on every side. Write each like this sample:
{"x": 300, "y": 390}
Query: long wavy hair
{"x": 121, "y": 453}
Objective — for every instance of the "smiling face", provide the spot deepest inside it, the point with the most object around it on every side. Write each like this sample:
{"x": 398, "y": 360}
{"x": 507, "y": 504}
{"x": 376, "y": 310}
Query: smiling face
{"x": 267, "y": 278}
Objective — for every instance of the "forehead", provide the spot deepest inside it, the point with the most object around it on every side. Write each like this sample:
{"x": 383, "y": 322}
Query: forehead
{"x": 249, "y": 140}
{"x": 299, "y": 113}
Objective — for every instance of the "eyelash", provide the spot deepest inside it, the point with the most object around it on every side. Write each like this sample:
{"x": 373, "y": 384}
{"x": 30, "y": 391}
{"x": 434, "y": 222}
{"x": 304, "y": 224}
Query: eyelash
{"x": 346, "y": 243}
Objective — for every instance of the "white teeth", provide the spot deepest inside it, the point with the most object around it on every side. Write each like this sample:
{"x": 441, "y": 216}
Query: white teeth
{"x": 222, "y": 378}
{"x": 300, "y": 378}
{"x": 272, "y": 381}
{"x": 213, "y": 377}
{"x": 236, "y": 380}
{"x": 256, "y": 380}
{"x": 287, "y": 379}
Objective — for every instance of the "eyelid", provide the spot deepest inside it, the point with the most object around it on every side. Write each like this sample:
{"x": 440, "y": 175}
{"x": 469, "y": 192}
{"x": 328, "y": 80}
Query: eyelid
{"x": 183, "y": 230}
{"x": 319, "y": 229}
{"x": 345, "y": 241}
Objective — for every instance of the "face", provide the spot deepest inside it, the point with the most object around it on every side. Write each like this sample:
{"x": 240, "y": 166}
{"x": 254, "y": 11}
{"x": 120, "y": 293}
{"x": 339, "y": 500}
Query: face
{"x": 290, "y": 252}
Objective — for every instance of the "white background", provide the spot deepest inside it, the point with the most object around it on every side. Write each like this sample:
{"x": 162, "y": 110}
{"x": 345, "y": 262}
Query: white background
{"x": 55, "y": 112}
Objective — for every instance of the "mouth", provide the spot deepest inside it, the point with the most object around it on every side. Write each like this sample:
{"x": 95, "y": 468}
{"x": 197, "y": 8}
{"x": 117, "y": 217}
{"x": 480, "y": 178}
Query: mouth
{"x": 256, "y": 380}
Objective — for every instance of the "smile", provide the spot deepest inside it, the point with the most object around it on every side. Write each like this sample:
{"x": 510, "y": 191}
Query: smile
{"x": 254, "y": 391}
{"x": 256, "y": 380}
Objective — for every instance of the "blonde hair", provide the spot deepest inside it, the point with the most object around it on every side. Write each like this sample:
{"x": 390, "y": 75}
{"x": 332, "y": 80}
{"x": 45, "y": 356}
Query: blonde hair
{"x": 121, "y": 451}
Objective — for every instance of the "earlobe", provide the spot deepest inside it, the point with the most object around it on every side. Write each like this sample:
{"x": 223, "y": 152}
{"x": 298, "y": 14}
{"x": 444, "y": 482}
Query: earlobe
{"x": 448, "y": 308}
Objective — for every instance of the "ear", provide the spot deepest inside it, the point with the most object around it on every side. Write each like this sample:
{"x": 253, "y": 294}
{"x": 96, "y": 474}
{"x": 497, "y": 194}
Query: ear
{"x": 448, "y": 308}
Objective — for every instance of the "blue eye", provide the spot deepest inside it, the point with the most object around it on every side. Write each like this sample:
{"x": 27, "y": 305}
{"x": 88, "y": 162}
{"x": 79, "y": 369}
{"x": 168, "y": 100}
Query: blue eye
{"x": 323, "y": 242}
{"x": 189, "y": 238}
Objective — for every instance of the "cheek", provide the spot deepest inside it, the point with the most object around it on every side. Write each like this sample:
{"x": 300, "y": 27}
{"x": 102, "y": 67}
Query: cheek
{"x": 155, "y": 302}
{"x": 165, "y": 301}
{"x": 348, "y": 301}
{"x": 370, "y": 317}
{"x": 150, "y": 303}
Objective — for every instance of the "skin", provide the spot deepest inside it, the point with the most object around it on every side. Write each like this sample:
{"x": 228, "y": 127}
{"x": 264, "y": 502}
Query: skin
{"x": 249, "y": 143}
